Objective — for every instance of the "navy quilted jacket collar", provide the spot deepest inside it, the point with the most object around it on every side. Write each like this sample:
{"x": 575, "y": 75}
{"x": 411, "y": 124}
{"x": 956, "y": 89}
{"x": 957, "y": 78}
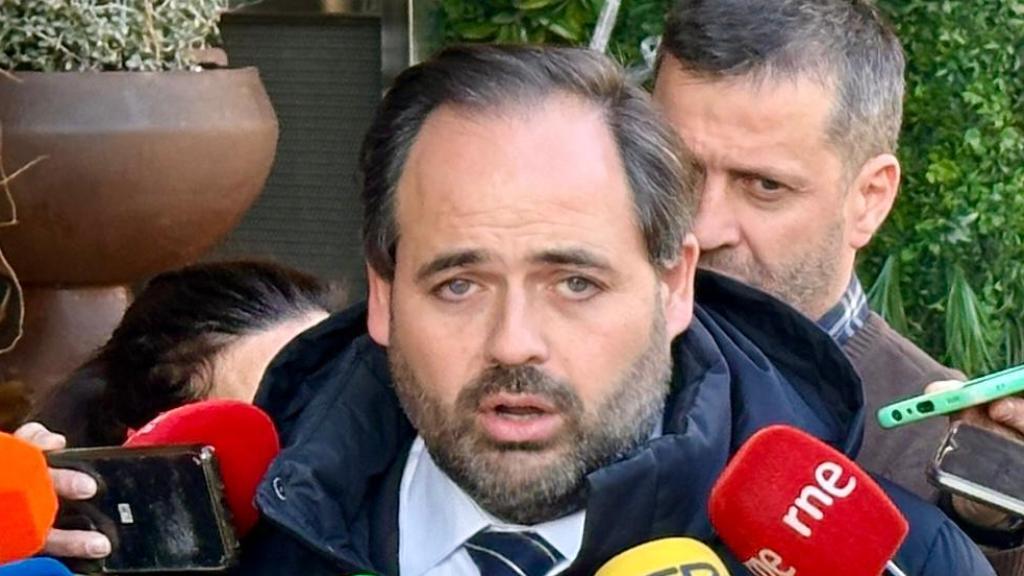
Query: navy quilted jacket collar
{"x": 745, "y": 362}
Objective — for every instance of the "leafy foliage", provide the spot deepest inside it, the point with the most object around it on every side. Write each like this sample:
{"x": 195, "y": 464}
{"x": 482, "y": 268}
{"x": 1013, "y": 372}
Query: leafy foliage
{"x": 552, "y": 22}
{"x": 66, "y": 35}
{"x": 956, "y": 236}
{"x": 947, "y": 269}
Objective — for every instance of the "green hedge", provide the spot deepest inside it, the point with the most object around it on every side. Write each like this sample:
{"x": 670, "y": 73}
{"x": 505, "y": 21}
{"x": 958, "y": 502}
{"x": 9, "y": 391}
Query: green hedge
{"x": 552, "y": 22}
{"x": 951, "y": 254}
{"x": 947, "y": 269}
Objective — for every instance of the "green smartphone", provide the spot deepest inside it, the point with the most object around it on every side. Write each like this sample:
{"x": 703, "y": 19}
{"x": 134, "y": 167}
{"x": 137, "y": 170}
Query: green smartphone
{"x": 974, "y": 392}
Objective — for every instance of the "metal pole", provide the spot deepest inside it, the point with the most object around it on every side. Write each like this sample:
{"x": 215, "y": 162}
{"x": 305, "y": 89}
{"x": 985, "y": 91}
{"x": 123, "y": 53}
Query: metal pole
{"x": 605, "y": 25}
{"x": 893, "y": 569}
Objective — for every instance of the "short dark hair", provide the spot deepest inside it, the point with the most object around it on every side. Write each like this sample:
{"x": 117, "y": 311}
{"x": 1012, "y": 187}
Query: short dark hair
{"x": 845, "y": 44}
{"x": 662, "y": 176}
{"x": 158, "y": 356}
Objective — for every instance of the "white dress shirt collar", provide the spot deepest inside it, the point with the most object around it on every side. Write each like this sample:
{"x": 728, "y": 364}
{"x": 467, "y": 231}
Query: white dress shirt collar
{"x": 436, "y": 517}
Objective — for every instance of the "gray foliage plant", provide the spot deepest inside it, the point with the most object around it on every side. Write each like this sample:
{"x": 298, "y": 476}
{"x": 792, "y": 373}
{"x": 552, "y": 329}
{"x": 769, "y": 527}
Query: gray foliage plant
{"x": 99, "y": 35}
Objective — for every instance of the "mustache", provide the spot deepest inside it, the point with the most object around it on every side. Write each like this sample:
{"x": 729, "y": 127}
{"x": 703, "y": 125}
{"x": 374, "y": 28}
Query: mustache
{"x": 519, "y": 380}
{"x": 722, "y": 257}
{"x": 733, "y": 264}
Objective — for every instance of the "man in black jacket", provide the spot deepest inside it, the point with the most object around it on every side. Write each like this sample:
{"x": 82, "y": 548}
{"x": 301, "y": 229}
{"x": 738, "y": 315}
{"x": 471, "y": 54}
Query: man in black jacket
{"x": 530, "y": 387}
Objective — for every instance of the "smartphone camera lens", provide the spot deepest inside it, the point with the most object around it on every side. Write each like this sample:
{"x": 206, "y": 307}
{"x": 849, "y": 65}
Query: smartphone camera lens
{"x": 896, "y": 415}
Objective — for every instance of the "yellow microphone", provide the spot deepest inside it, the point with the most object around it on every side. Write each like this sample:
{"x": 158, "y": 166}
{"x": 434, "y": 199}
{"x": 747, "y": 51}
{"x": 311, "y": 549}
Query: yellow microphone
{"x": 666, "y": 557}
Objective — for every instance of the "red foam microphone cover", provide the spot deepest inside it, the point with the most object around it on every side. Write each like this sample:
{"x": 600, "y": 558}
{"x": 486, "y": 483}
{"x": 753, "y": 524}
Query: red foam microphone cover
{"x": 242, "y": 436}
{"x": 788, "y": 501}
{"x": 28, "y": 503}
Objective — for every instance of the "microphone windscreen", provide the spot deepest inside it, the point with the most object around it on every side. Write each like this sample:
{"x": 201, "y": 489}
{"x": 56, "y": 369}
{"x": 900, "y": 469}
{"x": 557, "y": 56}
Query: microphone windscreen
{"x": 242, "y": 436}
{"x": 668, "y": 556}
{"x": 28, "y": 503}
{"x": 788, "y": 501}
{"x": 35, "y": 567}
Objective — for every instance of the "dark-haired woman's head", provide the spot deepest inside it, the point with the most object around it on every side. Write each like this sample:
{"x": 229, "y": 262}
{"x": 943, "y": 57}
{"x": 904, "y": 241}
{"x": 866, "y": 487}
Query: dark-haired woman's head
{"x": 204, "y": 331}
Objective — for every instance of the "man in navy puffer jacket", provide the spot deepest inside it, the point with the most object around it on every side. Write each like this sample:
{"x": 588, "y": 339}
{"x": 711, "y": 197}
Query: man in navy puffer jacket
{"x": 530, "y": 366}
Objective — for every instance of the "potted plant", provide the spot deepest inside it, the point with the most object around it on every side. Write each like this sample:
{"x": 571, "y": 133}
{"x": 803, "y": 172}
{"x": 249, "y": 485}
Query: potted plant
{"x": 141, "y": 160}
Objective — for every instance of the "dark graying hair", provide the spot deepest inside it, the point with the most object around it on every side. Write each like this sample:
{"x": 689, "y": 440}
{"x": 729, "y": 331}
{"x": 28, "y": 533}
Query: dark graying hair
{"x": 845, "y": 45}
{"x": 661, "y": 174}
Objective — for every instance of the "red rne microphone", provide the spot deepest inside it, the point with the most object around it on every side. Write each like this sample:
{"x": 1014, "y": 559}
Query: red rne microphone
{"x": 28, "y": 503}
{"x": 243, "y": 439}
{"x": 789, "y": 504}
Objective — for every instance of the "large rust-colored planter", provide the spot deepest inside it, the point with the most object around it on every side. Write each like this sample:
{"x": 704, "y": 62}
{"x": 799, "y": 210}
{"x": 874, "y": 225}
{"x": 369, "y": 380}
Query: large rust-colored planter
{"x": 143, "y": 171}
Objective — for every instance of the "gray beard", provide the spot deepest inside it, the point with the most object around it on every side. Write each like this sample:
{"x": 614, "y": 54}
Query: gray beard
{"x": 504, "y": 478}
{"x": 804, "y": 282}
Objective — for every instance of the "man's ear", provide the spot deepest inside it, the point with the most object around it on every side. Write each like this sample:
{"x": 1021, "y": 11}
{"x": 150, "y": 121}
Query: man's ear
{"x": 677, "y": 287}
{"x": 871, "y": 198}
{"x": 378, "y": 320}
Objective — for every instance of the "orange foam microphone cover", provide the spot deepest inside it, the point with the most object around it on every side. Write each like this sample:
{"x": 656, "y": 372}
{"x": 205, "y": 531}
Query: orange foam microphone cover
{"x": 28, "y": 503}
{"x": 242, "y": 436}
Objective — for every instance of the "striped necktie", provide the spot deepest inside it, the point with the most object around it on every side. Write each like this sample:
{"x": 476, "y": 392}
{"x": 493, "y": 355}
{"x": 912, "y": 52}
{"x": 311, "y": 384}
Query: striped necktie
{"x": 512, "y": 553}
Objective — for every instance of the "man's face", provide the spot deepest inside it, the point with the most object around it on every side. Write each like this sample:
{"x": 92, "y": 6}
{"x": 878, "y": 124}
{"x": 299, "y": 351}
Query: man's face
{"x": 775, "y": 209}
{"x": 528, "y": 332}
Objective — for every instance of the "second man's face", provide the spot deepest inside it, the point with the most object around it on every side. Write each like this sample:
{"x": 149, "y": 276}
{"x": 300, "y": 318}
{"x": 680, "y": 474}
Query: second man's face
{"x": 525, "y": 324}
{"x": 772, "y": 212}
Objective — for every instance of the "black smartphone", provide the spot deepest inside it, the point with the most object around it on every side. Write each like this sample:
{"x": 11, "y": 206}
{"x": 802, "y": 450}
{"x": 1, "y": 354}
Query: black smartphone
{"x": 161, "y": 507}
{"x": 981, "y": 465}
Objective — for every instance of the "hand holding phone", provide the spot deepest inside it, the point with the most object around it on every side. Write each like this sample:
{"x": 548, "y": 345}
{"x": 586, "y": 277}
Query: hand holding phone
{"x": 162, "y": 508}
{"x": 974, "y": 392}
{"x": 69, "y": 485}
{"x": 981, "y": 465}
